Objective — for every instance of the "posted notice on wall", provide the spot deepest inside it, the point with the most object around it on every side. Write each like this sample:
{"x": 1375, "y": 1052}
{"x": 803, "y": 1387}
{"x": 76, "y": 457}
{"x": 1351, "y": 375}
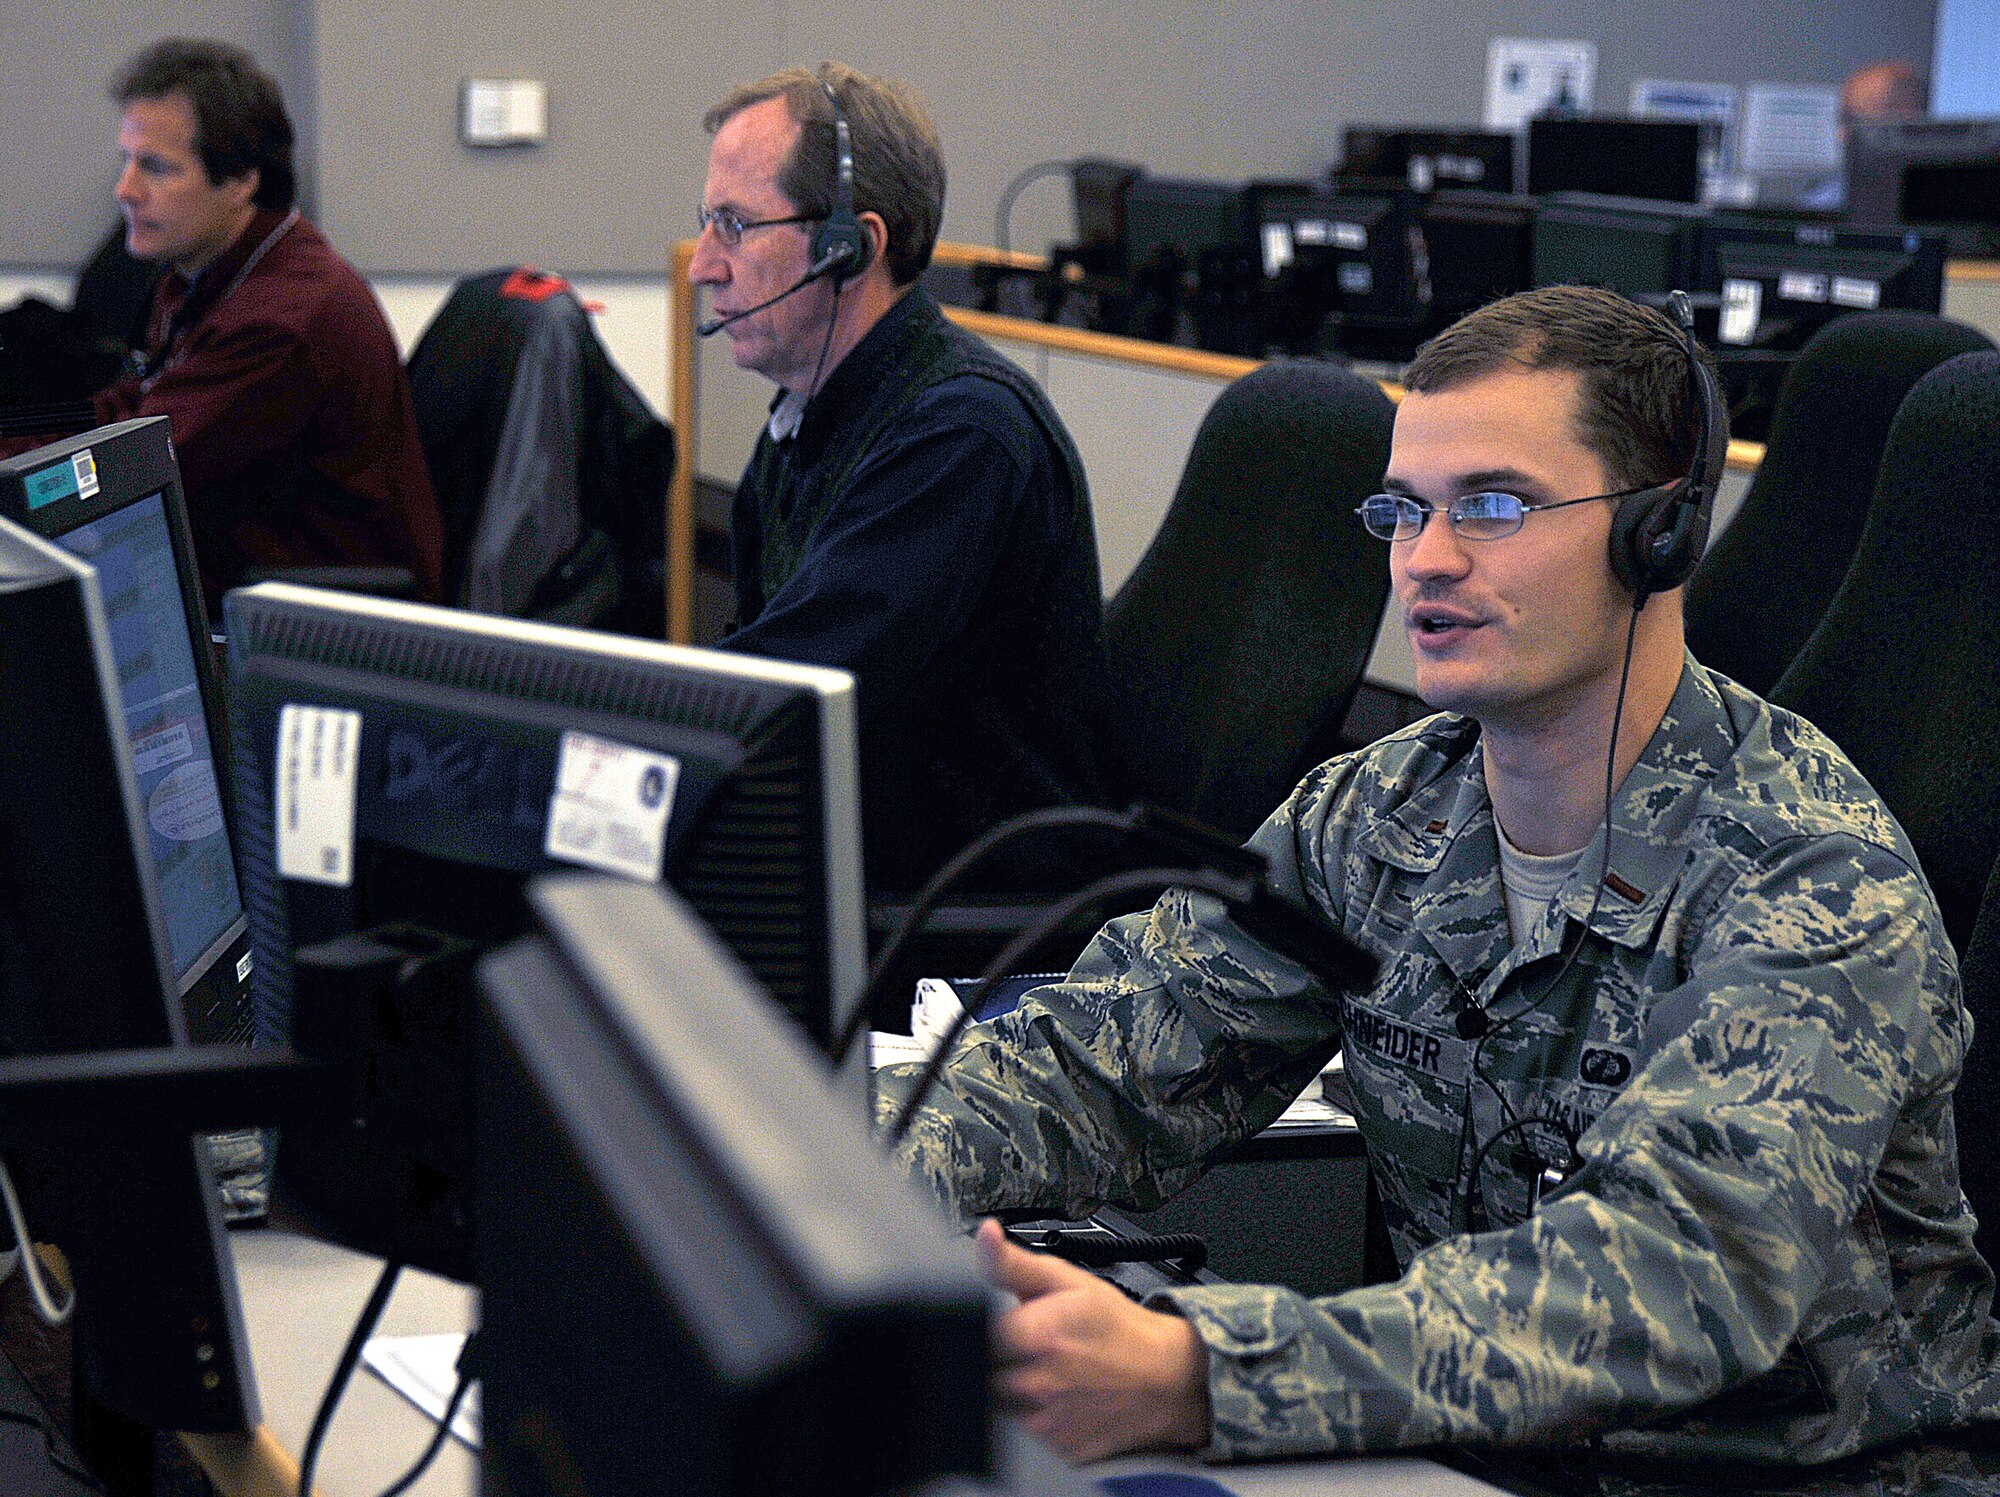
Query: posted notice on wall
{"x": 1527, "y": 76}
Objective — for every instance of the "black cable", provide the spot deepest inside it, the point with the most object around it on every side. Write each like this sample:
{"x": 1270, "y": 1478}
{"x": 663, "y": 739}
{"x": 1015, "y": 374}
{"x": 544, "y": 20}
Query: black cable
{"x": 1092, "y": 1249}
{"x": 832, "y": 319}
{"x": 1229, "y": 890}
{"x": 1471, "y": 1178}
{"x": 1003, "y": 215}
{"x": 350, "y": 1355}
{"x": 468, "y": 1373}
{"x": 942, "y": 883}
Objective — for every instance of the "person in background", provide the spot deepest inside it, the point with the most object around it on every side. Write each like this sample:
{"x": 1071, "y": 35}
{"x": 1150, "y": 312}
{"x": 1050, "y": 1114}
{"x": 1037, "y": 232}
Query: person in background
{"x": 267, "y": 351}
{"x": 914, "y": 511}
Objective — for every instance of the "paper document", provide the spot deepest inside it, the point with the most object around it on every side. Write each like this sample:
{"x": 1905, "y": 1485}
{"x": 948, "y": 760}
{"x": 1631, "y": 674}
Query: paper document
{"x": 424, "y": 1369}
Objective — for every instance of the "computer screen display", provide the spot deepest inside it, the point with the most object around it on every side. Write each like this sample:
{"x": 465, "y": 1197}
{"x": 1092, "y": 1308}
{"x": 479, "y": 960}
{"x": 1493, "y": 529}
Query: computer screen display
{"x": 701, "y": 1276}
{"x": 112, "y": 497}
{"x": 85, "y": 965}
{"x": 1658, "y": 159}
{"x": 396, "y": 763}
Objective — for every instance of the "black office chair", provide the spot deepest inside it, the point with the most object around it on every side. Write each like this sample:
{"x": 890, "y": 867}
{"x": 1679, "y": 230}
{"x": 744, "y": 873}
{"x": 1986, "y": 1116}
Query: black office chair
{"x": 1904, "y": 671}
{"x": 551, "y": 471}
{"x": 1768, "y": 578}
{"x": 1238, "y": 641}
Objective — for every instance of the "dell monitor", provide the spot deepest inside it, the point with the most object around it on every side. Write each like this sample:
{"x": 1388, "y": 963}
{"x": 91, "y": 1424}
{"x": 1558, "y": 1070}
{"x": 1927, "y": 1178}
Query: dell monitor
{"x": 1097, "y": 196}
{"x": 87, "y": 964}
{"x": 1430, "y": 159}
{"x": 403, "y": 768}
{"x": 1615, "y": 157}
{"x": 697, "y": 1273}
{"x": 112, "y": 497}
{"x": 1782, "y": 281}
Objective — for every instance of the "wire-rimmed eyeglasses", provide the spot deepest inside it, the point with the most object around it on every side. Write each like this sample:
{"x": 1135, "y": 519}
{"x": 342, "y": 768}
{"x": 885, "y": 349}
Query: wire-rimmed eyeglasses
{"x": 1489, "y": 515}
{"x": 730, "y": 229}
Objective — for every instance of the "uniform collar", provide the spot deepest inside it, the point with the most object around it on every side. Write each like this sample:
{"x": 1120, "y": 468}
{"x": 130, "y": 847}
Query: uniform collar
{"x": 1444, "y": 830}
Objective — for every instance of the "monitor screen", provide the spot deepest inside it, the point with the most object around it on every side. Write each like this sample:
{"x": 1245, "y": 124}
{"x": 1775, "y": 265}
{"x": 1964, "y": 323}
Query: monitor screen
{"x": 402, "y": 764}
{"x": 112, "y": 497}
{"x": 1657, "y": 159}
{"x": 85, "y": 965}
{"x": 700, "y": 1277}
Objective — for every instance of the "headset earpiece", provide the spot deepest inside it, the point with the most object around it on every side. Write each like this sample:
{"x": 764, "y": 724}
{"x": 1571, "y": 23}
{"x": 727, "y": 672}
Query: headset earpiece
{"x": 1657, "y": 538}
{"x": 840, "y": 239}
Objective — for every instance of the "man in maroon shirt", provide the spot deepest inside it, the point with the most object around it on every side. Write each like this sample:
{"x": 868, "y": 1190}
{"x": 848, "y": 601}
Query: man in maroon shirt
{"x": 268, "y": 352}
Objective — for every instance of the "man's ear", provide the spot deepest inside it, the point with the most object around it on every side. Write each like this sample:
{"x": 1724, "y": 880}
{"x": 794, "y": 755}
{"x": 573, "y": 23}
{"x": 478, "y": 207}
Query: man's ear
{"x": 876, "y": 230}
{"x": 242, "y": 188}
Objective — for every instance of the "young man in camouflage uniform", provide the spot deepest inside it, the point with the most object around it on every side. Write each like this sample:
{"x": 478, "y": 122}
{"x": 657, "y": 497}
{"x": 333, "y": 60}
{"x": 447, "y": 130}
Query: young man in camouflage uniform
{"x": 1724, "y": 1054}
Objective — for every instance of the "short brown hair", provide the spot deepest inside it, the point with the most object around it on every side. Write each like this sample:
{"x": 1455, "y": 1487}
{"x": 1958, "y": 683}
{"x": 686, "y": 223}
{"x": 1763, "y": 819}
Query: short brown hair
{"x": 240, "y": 124}
{"x": 898, "y": 163}
{"x": 1635, "y": 407}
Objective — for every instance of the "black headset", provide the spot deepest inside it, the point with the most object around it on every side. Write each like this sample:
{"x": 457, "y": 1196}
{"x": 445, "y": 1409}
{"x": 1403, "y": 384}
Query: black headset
{"x": 1657, "y": 537}
{"x": 839, "y": 241}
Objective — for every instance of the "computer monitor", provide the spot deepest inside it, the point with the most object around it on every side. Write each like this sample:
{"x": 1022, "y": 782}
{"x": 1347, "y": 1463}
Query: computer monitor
{"x": 1642, "y": 249}
{"x": 1940, "y": 174}
{"x": 1346, "y": 254}
{"x": 1781, "y": 281}
{"x": 1480, "y": 246}
{"x": 697, "y": 1273}
{"x": 1616, "y": 157}
{"x": 1428, "y": 159}
{"x": 1169, "y": 218}
{"x": 112, "y": 497}
{"x": 86, "y": 964}
{"x": 1097, "y": 195}
{"x": 402, "y": 763}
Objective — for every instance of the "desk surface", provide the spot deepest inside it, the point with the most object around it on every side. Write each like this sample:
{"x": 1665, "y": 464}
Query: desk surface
{"x": 301, "y": 1297}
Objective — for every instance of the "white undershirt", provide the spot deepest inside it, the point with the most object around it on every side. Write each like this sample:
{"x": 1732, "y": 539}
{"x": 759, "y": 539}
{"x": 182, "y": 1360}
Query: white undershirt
{"x": 1530, "y": 882}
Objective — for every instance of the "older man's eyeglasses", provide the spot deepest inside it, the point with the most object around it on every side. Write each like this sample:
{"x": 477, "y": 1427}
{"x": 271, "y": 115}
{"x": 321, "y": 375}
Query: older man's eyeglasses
{"x": 1489, "y": 515}
{"x": 730, "y": 229}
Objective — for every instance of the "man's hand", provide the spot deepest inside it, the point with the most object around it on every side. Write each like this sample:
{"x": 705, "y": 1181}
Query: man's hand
{"x": 1090, "y": 1372}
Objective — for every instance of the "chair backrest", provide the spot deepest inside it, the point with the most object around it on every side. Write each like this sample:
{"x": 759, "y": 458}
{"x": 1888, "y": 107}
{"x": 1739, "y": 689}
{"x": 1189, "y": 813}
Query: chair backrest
{"x": 1765, "y": 583}
{"x": 1904, "y": 671}
{"x": 550, "y": 471}
{"x": 1978, "y": 1096}
{"x": 1237, "y": 642}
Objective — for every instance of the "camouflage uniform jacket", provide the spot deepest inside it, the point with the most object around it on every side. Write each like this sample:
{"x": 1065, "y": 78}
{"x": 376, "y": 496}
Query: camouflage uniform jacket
{"x": 1763, "y": 1256}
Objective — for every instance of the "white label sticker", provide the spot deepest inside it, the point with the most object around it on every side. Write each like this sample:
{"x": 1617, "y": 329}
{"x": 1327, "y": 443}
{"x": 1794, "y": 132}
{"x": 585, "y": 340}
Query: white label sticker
{"x": 610, "y": 806}
{"x": 158, "y": 749}
{"x": 1852, "y": 291}
{"x": 319, "y": 762}
{"x": 1741, "y": 302}
{"x": 86, "y": 473}
{"x": 1800, "y": 285}
{"x": 1350, "y": 236}
{"x": 243, "y": 968}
